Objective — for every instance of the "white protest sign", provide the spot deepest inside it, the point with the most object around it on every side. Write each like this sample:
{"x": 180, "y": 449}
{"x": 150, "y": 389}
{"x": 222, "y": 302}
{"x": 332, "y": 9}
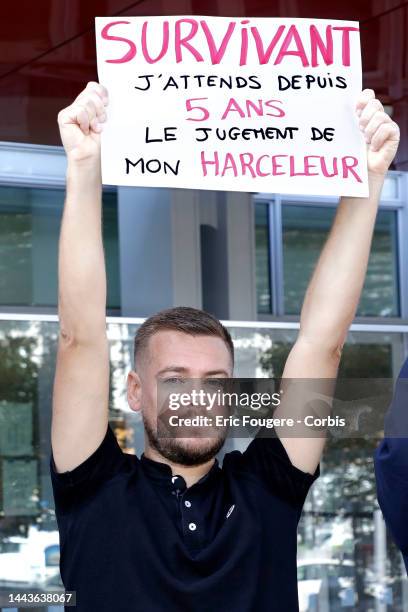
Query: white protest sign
{"x": 237, "y": 104}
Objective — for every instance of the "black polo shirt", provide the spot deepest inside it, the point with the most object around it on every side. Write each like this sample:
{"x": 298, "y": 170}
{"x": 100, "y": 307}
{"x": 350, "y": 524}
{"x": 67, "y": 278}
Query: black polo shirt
{"x": 134, "y": 538}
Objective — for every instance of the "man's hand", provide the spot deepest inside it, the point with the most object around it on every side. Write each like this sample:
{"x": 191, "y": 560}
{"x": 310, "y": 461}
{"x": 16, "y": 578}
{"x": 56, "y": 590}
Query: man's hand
{"x": 81, "y": 123}
{"x": 382, "y": 134}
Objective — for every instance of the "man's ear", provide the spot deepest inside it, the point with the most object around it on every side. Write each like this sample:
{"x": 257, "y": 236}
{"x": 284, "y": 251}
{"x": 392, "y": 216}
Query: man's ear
{"x": 134, "y": 391}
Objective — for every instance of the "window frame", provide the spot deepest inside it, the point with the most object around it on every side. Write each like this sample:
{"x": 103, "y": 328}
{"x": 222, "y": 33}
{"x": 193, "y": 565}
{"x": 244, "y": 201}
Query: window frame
{"x": 37, "y": 167}
{"x": 399, "y": 204}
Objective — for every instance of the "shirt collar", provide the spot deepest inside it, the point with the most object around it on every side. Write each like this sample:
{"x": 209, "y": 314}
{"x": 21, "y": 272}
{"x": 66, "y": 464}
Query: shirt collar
{"x": 162, "y": 473}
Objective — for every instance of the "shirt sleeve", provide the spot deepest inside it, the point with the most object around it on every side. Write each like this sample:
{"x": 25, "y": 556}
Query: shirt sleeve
{"x": 266, "y": 458}
{"x": 104, "y": 463}
{"x": 391, "y": 471}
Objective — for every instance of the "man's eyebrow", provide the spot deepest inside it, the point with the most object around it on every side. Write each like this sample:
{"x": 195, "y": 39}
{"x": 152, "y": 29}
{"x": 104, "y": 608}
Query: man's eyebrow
{"x": 181, "y": 369}
{"x": 214, "y": 372}
{"x": 172, "y": 368}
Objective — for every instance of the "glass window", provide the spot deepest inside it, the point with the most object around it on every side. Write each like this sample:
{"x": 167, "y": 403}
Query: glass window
{"x": 29, "y": 227}
{"x": 338, "y": 539}
{"x": 263, "y": 285}
{"x": 305, "y": 230}
{"x": 359, "y": 360}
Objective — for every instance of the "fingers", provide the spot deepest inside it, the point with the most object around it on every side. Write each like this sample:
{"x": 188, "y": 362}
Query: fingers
{"x": 88, "y": 110}
{"x": 98, "y": 89}
{"x": 372, "y": 107}
{"x": 365, "y": 96}
{"x": 378, "y": 118}
{"x": 91, "y": 105}
{"x": 376, "y": 125}
{"x": 80, "y": 115}
{"x": 388, "y": 131}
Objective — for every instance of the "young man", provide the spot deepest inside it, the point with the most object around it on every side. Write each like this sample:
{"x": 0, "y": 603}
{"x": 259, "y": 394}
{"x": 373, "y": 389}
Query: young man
{"x": 172, "y": 530}
{"x": 391, "y": 465}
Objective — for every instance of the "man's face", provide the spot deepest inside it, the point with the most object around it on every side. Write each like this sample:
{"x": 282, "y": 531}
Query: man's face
{"x": 170, "y": 358}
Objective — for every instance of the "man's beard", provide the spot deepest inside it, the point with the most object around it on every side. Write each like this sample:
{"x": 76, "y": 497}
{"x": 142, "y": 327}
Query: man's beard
{"x": 172, "y": 450}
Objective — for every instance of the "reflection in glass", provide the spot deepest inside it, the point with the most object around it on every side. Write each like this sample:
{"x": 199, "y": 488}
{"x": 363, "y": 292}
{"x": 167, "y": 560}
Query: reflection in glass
{"x": 29, "y": 227}
{"x": 263, "y": 286}
{"x": 305, "y": 230}
{"x": 337, "y": 532}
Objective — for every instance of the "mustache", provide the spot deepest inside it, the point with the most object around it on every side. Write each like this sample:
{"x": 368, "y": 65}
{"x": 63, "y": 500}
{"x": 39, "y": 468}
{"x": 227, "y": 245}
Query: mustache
{"x": 189, "y": 411}
{"x": 186, "y": 412}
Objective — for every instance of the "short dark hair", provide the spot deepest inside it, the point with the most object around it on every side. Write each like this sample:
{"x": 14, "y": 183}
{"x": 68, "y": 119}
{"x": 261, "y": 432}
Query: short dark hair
{"x": 184, "y": 319}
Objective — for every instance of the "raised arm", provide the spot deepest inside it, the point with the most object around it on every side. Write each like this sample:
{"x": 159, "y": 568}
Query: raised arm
{"x": 334, "y": 290}
{"x": 81, "y": 384}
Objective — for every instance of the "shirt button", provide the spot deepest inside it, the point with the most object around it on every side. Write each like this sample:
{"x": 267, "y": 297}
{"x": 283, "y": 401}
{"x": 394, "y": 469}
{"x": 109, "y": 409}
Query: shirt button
{"x": 192, "y": 526}
{"x": 187, "y": 504}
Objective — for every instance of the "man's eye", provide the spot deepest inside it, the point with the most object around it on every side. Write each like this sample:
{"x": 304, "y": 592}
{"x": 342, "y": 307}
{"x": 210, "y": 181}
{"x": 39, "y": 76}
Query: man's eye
{"x": 214, "y": 382}
{"x": 174, "y": 381}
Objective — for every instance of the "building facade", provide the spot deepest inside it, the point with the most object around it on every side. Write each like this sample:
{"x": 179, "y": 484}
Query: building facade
{"x": 246, "y": 258}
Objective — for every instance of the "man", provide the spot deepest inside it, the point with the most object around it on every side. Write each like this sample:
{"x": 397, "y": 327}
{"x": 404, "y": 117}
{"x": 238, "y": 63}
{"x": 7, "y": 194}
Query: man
{"x": 391, "y": 465}
{"x": 172, "y": 530}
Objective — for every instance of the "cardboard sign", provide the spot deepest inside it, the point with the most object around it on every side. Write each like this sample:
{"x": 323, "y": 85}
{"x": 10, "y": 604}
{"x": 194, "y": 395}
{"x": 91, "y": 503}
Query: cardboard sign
{"x": 237, "y": 104}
